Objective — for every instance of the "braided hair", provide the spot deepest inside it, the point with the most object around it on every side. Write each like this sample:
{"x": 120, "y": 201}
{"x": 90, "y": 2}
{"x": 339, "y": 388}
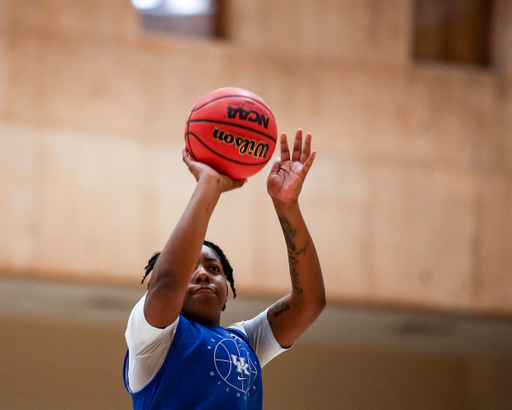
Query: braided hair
{"x": 226, "y": 266}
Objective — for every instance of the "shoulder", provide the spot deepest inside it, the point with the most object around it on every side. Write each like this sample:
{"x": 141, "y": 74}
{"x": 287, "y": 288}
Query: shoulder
{"x": 140, "y": 335}
{"x": 260, "y": 336}
{"x": 252, "y": 326}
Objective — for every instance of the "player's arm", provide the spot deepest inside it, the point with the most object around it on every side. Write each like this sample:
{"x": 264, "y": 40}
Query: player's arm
{"x": 178, "y": 259}
{"x": 293, "y": 314}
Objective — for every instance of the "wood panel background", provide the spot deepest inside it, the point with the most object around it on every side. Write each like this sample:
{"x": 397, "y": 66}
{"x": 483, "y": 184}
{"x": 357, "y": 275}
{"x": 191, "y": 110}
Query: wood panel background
{"x": 409, "y": 201}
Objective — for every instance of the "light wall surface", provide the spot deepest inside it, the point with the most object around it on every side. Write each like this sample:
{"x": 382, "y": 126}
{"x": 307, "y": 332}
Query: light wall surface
{"x": 63, "y": 347}
{"x": 409, "y": 200}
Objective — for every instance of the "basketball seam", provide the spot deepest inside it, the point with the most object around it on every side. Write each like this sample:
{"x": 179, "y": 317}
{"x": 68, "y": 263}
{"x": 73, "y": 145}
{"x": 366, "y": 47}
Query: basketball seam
{"x": 196, "y": 108}
{"x": 189, "y": 146}
{"x": 231, "y": 124}
{"x": 191, "y": 151}
{"x": 222, "y": 156}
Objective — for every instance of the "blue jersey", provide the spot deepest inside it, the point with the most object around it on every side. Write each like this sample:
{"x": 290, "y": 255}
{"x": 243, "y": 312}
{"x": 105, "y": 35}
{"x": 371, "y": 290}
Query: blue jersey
{"x": 205, "y": 368}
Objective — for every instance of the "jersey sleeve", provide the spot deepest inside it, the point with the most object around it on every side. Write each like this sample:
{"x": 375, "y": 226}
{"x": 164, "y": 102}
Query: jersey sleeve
{"x": 262, "y": 338}
{"x": 147, "y": 347}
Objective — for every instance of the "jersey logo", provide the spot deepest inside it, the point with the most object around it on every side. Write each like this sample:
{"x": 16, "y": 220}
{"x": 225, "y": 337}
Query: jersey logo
{"x": 241, "y": 366}
{"x": 234, "y": 365}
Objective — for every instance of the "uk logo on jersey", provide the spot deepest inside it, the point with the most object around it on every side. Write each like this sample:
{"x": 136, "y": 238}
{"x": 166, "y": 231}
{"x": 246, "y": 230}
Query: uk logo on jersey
{"x": 234, "y": 364}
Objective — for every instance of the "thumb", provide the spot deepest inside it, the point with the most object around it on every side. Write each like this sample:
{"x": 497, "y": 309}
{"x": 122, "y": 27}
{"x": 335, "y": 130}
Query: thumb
{"x": 238, "y": 183}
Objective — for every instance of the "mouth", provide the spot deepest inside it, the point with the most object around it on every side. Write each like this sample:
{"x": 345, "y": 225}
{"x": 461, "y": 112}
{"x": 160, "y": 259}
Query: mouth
{"x": 204, "y": 289}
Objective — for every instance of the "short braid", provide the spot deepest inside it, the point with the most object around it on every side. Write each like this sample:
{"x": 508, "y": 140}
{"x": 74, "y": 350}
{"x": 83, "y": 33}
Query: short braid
{"x": 226, "y": 266}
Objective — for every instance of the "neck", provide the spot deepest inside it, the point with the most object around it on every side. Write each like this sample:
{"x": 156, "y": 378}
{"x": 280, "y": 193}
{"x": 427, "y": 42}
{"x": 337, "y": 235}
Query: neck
{"x": 205, "y": 321}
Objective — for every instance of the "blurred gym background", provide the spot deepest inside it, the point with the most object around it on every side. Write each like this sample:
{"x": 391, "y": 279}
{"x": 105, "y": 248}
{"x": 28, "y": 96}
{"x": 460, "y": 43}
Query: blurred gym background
{"x": 409, "y": 200}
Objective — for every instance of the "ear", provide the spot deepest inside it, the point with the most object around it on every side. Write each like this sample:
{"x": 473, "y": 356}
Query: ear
{"x": 227, "y": 287}
{"x": 225, "y": 300}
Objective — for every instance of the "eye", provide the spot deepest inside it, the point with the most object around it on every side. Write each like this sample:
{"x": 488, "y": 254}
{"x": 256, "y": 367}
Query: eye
{"x": 215, "y": 268}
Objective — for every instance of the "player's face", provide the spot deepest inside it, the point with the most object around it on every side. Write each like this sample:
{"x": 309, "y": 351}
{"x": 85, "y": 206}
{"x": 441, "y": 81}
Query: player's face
{"x": 207, "y": 291}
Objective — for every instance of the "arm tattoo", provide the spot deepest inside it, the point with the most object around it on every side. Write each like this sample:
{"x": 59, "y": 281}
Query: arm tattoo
{"x": 293, "y": 253}
{"x": 279, "y": 308}
{"x": 289, "y": 233}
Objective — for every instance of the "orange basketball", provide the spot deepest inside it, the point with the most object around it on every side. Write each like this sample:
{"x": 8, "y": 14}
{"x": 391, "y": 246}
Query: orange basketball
{"x": 233, "y": 131}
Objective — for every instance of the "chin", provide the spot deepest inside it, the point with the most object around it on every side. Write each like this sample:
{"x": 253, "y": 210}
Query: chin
{"x": 202, "y": 316}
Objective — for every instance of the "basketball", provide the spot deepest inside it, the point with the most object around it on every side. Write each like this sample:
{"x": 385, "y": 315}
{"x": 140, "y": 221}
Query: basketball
{"x": 233, "y": 131}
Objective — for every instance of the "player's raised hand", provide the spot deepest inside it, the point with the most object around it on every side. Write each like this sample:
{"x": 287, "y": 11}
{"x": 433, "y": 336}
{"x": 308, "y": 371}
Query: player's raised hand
{"x": 201, "y": 170}
{"x": 289, "y": 171}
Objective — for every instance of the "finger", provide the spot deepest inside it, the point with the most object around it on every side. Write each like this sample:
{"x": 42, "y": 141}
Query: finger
{"x": 186, "y": 156}
{"x": 297, "y": 146}
{"x": 238, "y": 183}
{"x": 285, "y": 151}
{"x": 308, "y": 163}
{"x": 275, "y": 166}
{"x": 306, "y": 149}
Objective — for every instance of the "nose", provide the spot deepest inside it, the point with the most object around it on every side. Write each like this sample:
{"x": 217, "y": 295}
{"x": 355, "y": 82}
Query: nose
{"x": 201, "y": 276}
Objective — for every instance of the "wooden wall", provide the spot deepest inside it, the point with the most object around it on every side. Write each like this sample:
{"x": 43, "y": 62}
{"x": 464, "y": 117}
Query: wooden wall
{"x": 409, "y": 201}
{"x": 78, "y": 367}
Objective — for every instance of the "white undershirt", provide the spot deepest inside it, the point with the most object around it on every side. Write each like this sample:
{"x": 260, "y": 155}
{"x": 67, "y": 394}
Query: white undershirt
{"x": 148, "y": 345}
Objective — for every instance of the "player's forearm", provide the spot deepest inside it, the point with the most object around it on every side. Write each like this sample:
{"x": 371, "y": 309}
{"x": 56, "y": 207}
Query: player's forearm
{"x": 180, "y": 253}
{"x": 178, "y": 259}
{"x": 308, "y": 291}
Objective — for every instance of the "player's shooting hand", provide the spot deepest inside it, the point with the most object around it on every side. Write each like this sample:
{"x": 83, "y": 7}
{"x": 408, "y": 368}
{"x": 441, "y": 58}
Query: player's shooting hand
{"x": 289, "y": 171}
{"x": 203, "y": 171}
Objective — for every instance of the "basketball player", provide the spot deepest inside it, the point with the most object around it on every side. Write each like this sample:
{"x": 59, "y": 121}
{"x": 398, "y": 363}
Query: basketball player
{"x": 179, "y": 357}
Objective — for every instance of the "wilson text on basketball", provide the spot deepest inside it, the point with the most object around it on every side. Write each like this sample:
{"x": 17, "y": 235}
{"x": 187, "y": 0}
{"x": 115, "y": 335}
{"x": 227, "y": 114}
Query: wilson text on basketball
{"x": 245, "y": 146}
{"x": 248, "y": 115}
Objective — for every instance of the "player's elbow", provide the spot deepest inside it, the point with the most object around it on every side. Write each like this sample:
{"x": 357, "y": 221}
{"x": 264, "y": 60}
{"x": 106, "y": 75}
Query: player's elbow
{"x": 314, "y": 307}
{"x": 166, "y": 281}
{"x": 320, "y": 304}
{"x": 317, "y": 300}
